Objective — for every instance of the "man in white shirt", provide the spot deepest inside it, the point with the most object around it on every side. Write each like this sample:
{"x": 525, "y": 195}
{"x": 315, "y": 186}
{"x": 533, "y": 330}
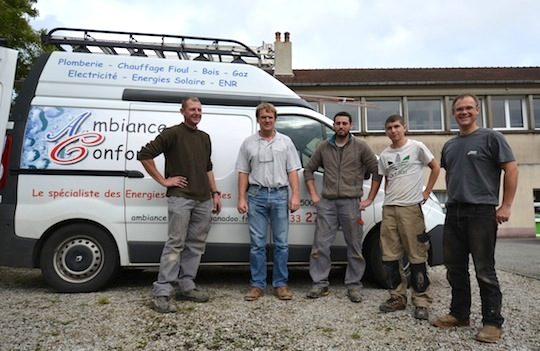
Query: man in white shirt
{"x": 267, "y": 167}
{"x": 403, "y": 228}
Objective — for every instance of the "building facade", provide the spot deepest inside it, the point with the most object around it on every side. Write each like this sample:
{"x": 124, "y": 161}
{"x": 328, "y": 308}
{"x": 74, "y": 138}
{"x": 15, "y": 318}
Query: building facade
{"x": 510, "y": 103}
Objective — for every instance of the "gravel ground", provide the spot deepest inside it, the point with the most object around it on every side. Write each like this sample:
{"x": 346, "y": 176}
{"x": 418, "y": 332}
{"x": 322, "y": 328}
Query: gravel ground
{"x": 32, "y": 317}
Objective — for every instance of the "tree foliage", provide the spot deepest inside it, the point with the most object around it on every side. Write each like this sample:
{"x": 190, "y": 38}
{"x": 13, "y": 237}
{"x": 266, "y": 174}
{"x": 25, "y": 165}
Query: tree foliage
{"x": 17, "y": 33}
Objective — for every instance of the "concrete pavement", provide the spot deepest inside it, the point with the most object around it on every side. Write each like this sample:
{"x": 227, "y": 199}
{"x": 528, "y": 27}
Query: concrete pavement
{"x": 519, "y": 255}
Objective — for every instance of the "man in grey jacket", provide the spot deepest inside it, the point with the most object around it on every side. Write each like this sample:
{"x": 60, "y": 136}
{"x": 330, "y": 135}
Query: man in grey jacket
{"x": 345, "y": 159}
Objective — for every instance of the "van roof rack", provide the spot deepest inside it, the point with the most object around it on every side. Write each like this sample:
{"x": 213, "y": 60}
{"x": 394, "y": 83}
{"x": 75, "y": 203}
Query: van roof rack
{"x": 156, "y": 45}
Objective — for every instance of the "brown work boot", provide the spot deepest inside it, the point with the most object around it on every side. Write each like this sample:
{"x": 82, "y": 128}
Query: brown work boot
{"x": 394, "y": 303}
{"x": 449, "y": 321}
{"x": 489, "y": 333}
{"x": 253, "y": 294}
{"x": 283, "y": 293}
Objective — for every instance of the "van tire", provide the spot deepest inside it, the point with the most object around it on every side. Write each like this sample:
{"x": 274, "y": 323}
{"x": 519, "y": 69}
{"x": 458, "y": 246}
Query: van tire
{"x": 79, "y": 257}
{"x": 375, "y": 271}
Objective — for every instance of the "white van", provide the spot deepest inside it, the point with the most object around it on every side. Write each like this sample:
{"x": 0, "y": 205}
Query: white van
{"x": 76, "y": 203}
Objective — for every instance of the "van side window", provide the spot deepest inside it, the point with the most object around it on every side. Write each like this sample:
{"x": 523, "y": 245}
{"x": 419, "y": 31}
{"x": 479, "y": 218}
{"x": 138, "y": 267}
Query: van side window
{"x": 306, "y": 133}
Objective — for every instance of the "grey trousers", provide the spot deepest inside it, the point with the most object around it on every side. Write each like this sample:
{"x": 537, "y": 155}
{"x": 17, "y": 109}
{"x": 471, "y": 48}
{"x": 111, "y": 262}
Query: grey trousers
{"x": 332, "y": 214}
{"x": 189, "y": 223}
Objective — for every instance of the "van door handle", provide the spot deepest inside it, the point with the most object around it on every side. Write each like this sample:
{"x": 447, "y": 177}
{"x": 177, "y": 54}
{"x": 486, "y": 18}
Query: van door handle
{"x": 134, "y": 174}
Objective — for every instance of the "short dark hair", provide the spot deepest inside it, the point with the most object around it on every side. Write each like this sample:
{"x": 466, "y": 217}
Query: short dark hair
{"x": 265, "y": 106}
{"x": 343, "y": 113}
{"x": 190, "y": 98}
{"x": 395, "y": 118}
{"x": 463, "y": 96}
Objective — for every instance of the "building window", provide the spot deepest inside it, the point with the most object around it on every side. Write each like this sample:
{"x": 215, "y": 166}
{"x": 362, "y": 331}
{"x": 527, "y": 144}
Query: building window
{"x": 536, "y": 106}
{"x": 509, "y": 112}
{"x": 377, "y": 111}
{"x": 331, "y": 108}
{"x": 480, "y": 120}
{"x": 425, "y": 114}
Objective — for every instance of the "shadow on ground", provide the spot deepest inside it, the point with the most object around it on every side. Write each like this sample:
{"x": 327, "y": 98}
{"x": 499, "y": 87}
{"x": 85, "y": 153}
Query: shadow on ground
{"x": 217, "y": 276}
{"x": 209, "y": 276}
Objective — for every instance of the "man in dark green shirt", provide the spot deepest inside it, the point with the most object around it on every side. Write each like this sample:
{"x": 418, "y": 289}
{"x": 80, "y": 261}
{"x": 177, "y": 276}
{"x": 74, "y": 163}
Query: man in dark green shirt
{"x": 191, "y": 198}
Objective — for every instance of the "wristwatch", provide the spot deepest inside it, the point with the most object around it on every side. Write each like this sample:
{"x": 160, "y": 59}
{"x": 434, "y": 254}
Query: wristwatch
{"x": 216, "y": 192}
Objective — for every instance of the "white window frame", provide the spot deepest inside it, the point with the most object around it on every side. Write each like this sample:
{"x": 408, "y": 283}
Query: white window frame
{"x": 356, "y": 117}
{"x": 507, "y": 120}
{"x": 426, "y": 99}
{"x": 375, "y": 100}
{"x": 536, "y": 107}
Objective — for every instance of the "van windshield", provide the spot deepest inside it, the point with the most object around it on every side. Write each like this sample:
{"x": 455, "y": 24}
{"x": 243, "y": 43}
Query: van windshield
{"x": 306, "y": 133}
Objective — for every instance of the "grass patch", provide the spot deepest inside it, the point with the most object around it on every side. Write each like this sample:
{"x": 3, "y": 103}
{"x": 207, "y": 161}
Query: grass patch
{"x": 103, "y": 300}
{"x": 185, "y": 309}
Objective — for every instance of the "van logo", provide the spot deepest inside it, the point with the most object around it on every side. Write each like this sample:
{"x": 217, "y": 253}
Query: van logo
{"x": 74, "y": 148}
{"x": 71, "y": 128}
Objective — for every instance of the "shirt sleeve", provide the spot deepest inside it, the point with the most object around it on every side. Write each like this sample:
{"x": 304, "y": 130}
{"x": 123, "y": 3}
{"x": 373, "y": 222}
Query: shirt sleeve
{"x": 314, "y": 162}
{"x": 443, "y": 155}
{"x": 501, "y": 149}
{"x": 370, "y": 160}
{"x": 155, "y": 147}
{"x": 293, "y": 160}
{"x": 425, "y": 154}
{"x": 242, "y": 161}
{"x": 381, "y": 165}
{"x": 209, "y": 165}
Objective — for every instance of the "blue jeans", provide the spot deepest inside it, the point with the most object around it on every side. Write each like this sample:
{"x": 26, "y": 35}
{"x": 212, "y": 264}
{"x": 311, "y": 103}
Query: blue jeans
{"x": 472, "y": 229}
{"x": 268, "y": 206}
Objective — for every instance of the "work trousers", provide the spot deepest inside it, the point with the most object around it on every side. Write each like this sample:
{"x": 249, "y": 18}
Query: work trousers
{"x": 189, "y": 223}
{"x": 403, "y": 233}
{"x": 472, "y": 229}
{"x": 332, "y": 214}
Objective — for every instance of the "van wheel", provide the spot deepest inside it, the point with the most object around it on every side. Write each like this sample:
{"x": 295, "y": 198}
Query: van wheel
{"x": 79, "y": 258}
{"x": 372, "y": 252}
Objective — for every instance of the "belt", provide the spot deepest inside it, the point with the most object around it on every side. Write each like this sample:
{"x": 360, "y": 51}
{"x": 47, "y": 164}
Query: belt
{"x": 465, "y": 205}
{"x": 268, "y": 188}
